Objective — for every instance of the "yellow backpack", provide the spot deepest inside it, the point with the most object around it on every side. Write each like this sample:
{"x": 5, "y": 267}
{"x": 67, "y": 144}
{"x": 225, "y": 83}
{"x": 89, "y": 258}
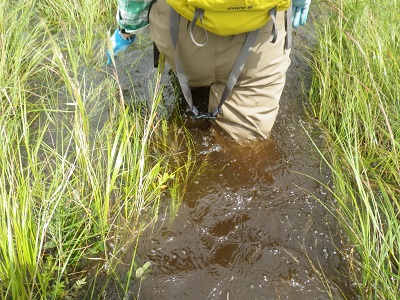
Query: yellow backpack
{"x": 224, "y": 17}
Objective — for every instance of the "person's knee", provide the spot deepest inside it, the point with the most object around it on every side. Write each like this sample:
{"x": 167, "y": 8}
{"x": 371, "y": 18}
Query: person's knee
{"x": 249, "y": 113}
{"x": 244, "y": 127}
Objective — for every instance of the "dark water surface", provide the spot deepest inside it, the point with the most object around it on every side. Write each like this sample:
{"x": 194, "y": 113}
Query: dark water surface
{"x": 248, "y": 227}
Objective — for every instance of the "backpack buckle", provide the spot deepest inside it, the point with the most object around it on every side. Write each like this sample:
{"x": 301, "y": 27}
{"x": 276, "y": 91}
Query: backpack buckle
{"x": 206, "y": 116}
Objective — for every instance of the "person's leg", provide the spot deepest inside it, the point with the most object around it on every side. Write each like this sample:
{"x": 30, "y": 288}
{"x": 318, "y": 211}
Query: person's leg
{"x": 251, "y": 109}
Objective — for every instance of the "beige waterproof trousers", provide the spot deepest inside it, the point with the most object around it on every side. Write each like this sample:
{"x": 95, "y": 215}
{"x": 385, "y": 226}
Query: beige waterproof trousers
{"x": 251, "y": 109}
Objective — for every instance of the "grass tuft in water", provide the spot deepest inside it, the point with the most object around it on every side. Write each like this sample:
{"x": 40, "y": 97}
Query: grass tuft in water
{"x": 355, "y": 95}
{"x": 81, "y": 173}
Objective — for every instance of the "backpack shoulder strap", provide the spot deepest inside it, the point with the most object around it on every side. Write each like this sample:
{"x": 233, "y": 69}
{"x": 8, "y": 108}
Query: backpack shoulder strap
{"x": 288, "y": 24}
{"x": 180, "y": 73}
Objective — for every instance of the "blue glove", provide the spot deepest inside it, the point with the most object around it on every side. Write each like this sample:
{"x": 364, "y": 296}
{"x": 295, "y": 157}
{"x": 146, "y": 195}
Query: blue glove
{"x": 300, "y": 11}
{"x": 119, "y": 44}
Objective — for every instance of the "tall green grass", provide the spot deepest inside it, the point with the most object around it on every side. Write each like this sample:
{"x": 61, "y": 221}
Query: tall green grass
{"x": 356, "y": 96}
{"x": 81, "y": 173}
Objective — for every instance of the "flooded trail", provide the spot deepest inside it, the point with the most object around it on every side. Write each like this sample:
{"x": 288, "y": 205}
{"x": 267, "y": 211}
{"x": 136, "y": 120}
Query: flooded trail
{"x": 246, "y": 229}
{"x": 250, "y": 225}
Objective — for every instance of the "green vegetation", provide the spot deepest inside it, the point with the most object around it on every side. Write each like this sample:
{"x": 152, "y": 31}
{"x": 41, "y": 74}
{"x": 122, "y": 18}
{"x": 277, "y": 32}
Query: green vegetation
{"x": 356, "y": 96}
{"x": 81, "y": 172}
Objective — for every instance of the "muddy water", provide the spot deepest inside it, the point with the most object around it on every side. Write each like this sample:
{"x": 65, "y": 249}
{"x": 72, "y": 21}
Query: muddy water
{"x": 250, "y": 226}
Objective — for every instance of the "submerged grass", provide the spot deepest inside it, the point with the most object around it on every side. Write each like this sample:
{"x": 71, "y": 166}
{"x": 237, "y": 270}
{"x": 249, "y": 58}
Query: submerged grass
{"x": 355, "y": 94}
{"x": 79, "y": 170}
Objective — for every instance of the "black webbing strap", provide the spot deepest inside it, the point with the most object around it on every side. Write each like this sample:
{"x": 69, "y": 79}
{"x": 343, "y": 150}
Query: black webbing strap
{"x": 156, "y": 55}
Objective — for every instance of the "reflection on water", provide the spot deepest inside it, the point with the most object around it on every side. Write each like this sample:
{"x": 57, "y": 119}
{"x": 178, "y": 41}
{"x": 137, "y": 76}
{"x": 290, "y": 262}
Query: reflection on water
{"x": 250, "y": 226}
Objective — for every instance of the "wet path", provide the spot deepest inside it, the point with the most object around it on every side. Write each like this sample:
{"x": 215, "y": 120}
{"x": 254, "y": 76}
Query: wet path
{"x": 244, "y": 230}
{"x": 248, "y": 227}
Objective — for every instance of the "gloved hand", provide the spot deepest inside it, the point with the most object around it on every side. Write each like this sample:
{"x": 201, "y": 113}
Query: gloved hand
{"x": 119, "y": 44}
{"x": 300, "y": 11}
